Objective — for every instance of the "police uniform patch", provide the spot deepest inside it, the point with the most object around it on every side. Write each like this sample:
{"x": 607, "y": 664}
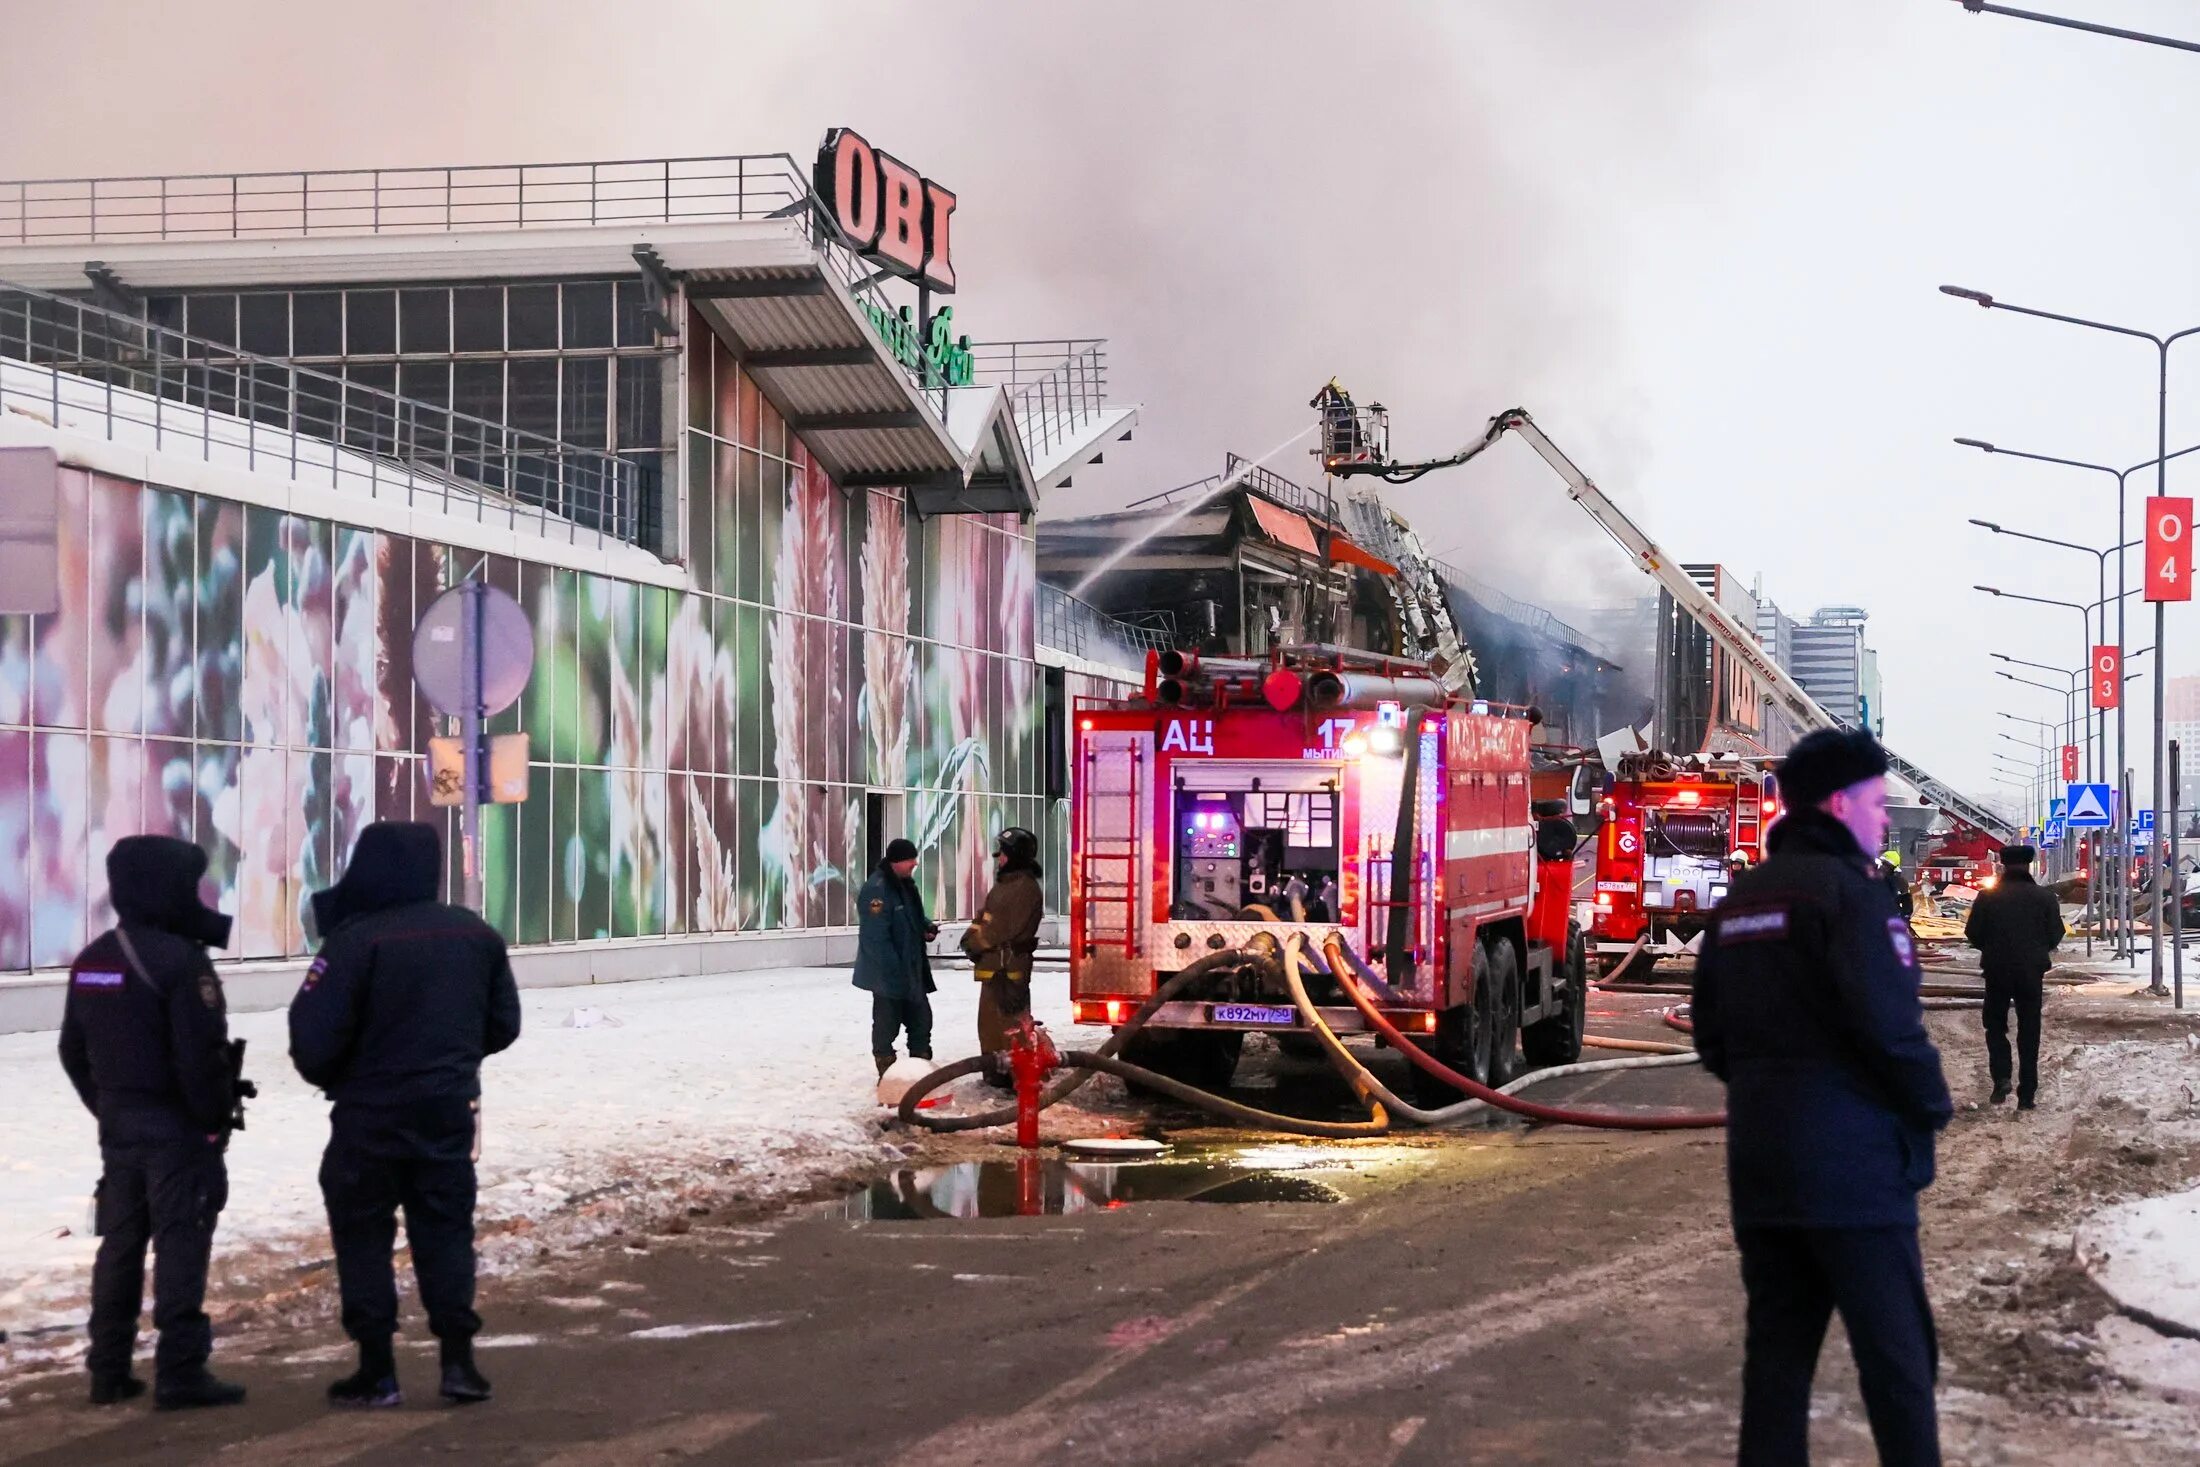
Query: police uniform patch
{"x": 878, "y": 906}
{"x": 313, "y": 974}
{"x": 1905, "y": 946}
{"x": 1766, "y": 926}
{"x": 210, "y": 991}
{"x": 94, "y": 978}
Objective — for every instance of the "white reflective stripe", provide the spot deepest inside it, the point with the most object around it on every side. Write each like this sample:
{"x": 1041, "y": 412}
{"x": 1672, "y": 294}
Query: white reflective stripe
{"x": 1495, "y": 840}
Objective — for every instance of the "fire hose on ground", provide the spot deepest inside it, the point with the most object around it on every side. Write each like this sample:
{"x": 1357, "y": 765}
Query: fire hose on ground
{"x": 1266, "y": 954}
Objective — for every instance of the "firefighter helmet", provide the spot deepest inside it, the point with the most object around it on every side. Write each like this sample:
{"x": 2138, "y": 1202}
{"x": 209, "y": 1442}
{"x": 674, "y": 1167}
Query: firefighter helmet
{"x": 1019, "y": 845}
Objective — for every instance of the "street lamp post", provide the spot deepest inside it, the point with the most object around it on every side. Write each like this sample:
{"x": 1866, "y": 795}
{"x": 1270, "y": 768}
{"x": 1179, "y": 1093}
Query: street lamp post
{"x": 2100, "y": 577}
{"x": 2064, "y": 726}
{"x": 2161, "y": 345}
{"x": 2118, "y": 840}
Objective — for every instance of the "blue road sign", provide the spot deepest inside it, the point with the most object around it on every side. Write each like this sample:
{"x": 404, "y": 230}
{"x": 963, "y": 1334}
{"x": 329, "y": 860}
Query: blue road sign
{"x": 2057, "y": 808}
{"x": 2052, "y": 835}
{"x": 2089, "y": 807}
{"x": 2142, "y": 822}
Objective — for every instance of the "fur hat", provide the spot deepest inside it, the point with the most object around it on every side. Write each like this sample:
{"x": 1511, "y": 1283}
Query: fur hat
{"x": 1828, "y": 760}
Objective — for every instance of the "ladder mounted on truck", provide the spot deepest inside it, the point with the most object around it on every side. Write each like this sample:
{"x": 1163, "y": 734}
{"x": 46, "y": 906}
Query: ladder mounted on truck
{"x": 1734, "y": 639}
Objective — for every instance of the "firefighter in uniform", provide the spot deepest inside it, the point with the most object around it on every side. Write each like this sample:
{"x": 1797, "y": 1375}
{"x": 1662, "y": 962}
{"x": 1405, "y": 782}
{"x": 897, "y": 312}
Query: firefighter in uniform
{"x": 2016, "y": 927}
{"x": 392, "y": 1021}
{"x": 1806, "y": 1005}
{"x": 891, "y": 963}
{"x": 1898, "y": 887}
{"x": 145, "y": 1040}
{"x": 1000, "y": 945}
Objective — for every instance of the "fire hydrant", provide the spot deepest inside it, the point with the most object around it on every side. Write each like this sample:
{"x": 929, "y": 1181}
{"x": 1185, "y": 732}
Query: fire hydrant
{"x": 1032, "y": 1058}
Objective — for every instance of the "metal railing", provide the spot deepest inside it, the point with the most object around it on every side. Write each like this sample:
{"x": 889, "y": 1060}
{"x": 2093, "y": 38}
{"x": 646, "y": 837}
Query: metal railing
{"x": 402, "y": 200}
{"x": 1083, "y": 630}
{"x": 1056, "y": 388}
{"x": 1245, "y": 474}
{"x": 1522, "y": 613}
{"x": 83, "y": 368}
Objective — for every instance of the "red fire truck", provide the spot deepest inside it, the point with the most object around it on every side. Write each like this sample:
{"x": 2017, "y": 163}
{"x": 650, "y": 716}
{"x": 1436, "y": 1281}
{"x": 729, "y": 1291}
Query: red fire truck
{"x": 1674, "y": 829}
{"x": 1323, "y": 792}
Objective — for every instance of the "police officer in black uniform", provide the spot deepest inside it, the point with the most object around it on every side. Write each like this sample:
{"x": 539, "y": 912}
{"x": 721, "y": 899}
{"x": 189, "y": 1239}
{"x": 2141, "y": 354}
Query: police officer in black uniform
{"x": 393, "y": 1020}
{"x": 1806, "y": 1005}
{"x": 2016, "y": 927}
{"x": 145, "y": 1040}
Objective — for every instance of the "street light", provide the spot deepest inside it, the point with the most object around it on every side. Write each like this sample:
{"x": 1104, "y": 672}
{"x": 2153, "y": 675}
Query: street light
{"x": 2120, "y": 476}
{"x": 2100, "y": 579}
{"x": 2161, "y": 345}
{"x": 1981, "y": 7}
{"x": 2085, "y": 612}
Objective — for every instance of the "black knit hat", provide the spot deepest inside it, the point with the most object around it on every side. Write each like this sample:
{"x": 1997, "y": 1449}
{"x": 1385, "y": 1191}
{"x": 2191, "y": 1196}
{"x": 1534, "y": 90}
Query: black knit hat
{"x": 2017, "y": 855}
{"x": 899, "y": 849}
{"x": 1828, "y": 760}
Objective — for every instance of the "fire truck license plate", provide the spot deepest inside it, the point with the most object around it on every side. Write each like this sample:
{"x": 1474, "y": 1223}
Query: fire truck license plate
{"x": 1252, "y": 1013}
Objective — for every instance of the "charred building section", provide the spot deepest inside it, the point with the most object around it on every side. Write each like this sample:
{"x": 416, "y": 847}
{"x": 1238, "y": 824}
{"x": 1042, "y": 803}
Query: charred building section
{"x": 1248, "y": 560}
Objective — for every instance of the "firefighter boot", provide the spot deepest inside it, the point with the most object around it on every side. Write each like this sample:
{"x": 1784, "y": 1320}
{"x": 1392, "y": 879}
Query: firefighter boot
{"x": 374, "y": 1383}
{"x": 199, "y": 1388}
{"x": 109, "y": 1390}
{"x": 461, "y": 1382}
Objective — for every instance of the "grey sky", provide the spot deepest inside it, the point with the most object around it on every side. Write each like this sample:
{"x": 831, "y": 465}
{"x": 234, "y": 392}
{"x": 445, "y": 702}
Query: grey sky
{"x": 1698, "y": 240}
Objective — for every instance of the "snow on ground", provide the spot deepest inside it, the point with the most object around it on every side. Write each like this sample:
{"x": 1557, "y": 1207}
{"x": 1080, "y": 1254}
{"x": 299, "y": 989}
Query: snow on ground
{"x": 743, "y": 1086}
{"x": 2146, "y": 1255}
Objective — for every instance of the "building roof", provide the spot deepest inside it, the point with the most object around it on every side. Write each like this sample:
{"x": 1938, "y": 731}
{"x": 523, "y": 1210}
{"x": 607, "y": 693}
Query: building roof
{"x": 741, "y": 235}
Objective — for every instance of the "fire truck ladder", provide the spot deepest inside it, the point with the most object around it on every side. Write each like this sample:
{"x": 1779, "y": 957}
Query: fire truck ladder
{"x": 1737, "y": 641}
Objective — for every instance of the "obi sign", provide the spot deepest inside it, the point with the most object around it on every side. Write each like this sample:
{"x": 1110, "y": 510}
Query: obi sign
{"x": 887, "y": 212}
{"x": 2169, "y": 549}
{"x": 2107, "y": 676}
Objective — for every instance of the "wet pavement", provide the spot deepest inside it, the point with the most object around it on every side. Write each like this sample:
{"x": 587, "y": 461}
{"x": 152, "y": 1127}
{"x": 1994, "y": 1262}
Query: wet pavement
{"x": 1046, "y": 1186}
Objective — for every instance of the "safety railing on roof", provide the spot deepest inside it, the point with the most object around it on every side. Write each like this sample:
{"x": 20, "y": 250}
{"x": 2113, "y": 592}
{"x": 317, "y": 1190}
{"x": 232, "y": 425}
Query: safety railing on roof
{"x": 443, "y": 200}
{"x": 1523, "y": 613}
{"x": 82, "y": 368}
{"x": 402, "y": 200}
{"x": 1242, "y": 473}
{"x": 1056, "y": 388}
{"x": 1081, "y": 629}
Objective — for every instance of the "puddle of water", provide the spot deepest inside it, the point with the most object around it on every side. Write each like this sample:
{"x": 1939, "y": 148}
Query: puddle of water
{"x": 1036, "y": 1187}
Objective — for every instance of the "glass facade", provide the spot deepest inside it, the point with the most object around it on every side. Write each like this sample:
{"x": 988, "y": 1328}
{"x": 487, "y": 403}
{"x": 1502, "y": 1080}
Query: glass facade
{"x": 574, "y": 361}
{"x": 242, "y": 678}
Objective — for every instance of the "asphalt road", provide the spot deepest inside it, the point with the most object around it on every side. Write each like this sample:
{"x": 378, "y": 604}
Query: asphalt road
{"x": 1500, "y": 1295}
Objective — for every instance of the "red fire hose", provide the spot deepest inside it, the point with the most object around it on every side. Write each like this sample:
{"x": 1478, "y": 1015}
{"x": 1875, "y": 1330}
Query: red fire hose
{"x": 1342, "y": 962}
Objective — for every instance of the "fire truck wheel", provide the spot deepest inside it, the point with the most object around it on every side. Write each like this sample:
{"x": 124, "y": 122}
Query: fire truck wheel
{"x": 1461, "y": 1040}
{"x": 1505, "y": 1064}
{"x": 1557, "y": 1040}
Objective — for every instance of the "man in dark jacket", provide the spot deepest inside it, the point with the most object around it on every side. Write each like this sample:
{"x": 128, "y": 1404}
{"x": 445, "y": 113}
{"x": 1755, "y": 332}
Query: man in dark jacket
{"x": 145, "y": 1041}
{"x": 392, "y": 1021}
{"x": 1806, "y": 1005}
{"x": 2016, "y": 927}
{"x": 891, "y": 964}
{"x": 1000, "y": 945}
